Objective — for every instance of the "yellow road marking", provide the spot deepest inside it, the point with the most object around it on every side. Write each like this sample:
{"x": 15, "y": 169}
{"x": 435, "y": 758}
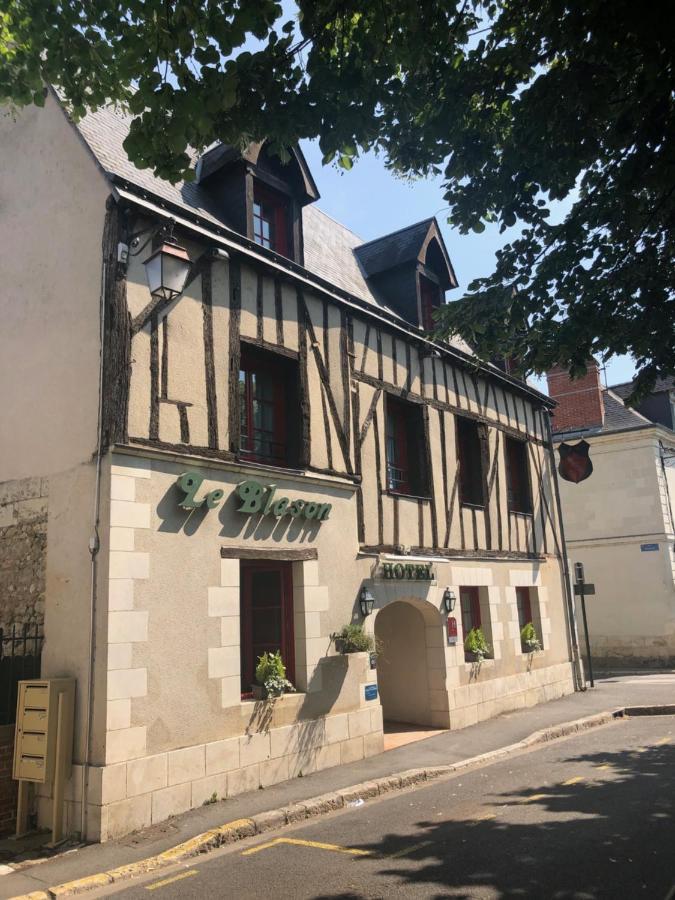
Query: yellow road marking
{"x": 534, "y": 797}
{"x": 665, "y": 740}
{"x": 604, "y": 766}
{"x": 407, "y": 850}
{"x": 165, "y": 881}
{"x": 316, "y": 845}
{"x": 575, "y": 780}
{"x": 484, "y": 818}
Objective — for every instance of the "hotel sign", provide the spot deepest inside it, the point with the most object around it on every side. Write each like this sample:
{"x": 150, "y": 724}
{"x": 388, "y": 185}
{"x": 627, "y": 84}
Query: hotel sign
{"x": 256, "y": 498}
{"x": 412, "y": 571}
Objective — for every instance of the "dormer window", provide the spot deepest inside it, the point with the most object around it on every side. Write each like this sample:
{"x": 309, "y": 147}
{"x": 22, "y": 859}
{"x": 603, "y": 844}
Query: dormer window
{"x": 270, "y": 219}
{"x": 258, "y": 195}
{"x": 409, "y": 271}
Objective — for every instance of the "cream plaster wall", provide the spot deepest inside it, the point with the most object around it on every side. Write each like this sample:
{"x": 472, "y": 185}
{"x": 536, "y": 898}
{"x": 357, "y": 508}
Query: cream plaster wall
{"x": 607, "y": 518}
{"x": 52, "y": 210}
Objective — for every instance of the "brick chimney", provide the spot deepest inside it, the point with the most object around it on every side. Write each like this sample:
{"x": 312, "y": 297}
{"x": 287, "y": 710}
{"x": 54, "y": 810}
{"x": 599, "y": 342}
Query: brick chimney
{"x": 579, "y": 401}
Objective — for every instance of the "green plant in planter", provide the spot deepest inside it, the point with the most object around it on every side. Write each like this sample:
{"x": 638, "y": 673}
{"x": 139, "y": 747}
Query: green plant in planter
{"x": 528, "y": 639}
{"x": 476, "y": 644}
{"x": 270, "y": 673}
{"x": 353, "y": 639}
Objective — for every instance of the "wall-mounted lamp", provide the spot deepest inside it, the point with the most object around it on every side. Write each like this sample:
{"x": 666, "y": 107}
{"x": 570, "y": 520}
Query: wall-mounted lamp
{"x": 167, "y": 269}
{"x": 449, "y": 599}
{"x": 366, "y": 602}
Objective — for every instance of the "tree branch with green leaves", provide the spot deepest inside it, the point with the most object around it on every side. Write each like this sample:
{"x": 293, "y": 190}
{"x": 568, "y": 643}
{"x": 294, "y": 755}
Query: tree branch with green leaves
{"x": 517, "y": 106}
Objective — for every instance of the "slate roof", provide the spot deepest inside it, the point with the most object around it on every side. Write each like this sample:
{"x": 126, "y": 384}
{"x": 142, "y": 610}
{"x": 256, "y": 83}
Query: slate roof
{"x": 391, "y": 250}
{"x": 329, "y": 246}
{"x": 618, "y": 415}
{"x": 662, "y": 384}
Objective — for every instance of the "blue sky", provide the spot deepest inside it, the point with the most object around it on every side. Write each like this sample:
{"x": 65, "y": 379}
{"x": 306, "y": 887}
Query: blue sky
{"x": 371, "y": 202}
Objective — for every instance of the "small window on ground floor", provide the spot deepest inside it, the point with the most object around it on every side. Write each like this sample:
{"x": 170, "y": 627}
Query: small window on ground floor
{"x": 266, "y": 617}
{"x": 527, "y": 602}
{"x": 475, "y": 607}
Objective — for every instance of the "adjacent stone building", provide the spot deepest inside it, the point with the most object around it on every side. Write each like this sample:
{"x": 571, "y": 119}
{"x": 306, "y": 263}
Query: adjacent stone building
{"x": 243, "y": 464}
{"x": 619, "y": 521}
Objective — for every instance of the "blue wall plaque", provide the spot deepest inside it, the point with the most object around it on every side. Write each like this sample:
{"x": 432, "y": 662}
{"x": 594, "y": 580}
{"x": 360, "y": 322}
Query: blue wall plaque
{"x": 648, "y": 548}
{"x": 371, "y": 691}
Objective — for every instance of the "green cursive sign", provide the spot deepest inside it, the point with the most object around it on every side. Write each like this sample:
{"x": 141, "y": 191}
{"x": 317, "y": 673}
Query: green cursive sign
{"x": 258, "y": 498}
{"x": 255, "y": 497}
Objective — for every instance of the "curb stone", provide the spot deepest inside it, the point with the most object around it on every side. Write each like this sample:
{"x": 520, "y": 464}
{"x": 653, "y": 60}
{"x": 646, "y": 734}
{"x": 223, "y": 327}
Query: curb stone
{"x": 234, "y": 831}
{"x": 663, "y": 710}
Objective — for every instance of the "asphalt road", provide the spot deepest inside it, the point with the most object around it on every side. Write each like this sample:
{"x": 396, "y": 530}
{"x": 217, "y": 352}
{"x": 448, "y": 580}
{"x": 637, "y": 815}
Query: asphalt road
{"x": 587, "y": 817}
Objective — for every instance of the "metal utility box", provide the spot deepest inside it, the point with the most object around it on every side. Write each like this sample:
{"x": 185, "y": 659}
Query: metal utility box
{"x": 37, "y": 724}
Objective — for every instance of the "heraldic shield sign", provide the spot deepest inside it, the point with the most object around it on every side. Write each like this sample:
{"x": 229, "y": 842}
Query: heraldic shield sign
{"x": 575, "y": 464}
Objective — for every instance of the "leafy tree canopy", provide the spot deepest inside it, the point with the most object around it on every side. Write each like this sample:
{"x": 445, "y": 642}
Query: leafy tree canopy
{"x": 517, "y": 105}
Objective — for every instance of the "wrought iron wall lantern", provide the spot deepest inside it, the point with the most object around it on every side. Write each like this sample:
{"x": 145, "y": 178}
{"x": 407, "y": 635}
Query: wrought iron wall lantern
{"x": 168, "y": 266}
{"x": 167, "y": 269}
{"x": 366, "y": 602}
{"x": 449, "y": 599}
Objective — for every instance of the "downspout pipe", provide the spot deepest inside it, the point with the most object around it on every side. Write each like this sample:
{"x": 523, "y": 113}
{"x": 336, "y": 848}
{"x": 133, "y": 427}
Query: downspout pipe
{"x": 573, "y": 636}
{"x": 663, "y": 456}
{"x": 94, "y": 539}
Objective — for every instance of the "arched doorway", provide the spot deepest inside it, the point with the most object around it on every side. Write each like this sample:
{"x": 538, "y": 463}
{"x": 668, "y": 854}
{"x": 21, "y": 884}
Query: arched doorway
{"x": 410, "y": 638}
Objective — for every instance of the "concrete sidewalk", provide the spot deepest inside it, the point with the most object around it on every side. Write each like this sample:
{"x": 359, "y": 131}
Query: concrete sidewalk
{"x": 442, "y": 749}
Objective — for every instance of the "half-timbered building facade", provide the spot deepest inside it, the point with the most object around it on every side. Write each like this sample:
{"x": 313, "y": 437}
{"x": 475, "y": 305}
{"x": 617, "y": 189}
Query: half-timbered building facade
{"x": 249, "y": 464}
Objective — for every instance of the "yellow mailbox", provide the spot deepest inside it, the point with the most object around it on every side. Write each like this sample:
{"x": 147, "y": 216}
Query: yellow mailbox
{"x": 43, "y": 746}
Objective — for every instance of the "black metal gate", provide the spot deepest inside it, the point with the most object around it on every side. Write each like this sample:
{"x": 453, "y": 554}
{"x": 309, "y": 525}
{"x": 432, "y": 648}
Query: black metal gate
{"x": 20, "y": 656}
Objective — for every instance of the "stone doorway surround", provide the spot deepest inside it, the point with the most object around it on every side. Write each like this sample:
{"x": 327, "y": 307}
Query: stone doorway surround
{"x": 412, "y": 668}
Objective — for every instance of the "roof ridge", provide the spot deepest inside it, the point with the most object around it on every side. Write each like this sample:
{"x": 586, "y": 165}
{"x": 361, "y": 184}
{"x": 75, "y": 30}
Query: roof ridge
{"x": 398, "y": 231}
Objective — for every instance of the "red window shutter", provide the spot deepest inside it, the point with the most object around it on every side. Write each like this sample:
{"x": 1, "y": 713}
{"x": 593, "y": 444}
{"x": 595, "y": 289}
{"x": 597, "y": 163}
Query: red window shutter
{"x": 274, "y": 208}
{"x": 280, "y": 229}
{"x": 430, "y": 300}
{"x": 524, "y": 606}
{"x": 470, "y": 605}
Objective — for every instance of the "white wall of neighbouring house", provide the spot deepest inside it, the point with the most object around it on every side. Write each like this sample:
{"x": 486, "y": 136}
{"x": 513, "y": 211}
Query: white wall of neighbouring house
{"x": 616, "y": 524}
{"x": 52, "y": 210}
{"x": 52, "y": 218}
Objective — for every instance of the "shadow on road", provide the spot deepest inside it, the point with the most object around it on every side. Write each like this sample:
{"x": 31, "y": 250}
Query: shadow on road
{"x": 613, "y": 837}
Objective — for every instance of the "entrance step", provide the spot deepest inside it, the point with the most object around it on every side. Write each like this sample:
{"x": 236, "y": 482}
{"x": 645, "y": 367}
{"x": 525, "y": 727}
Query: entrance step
{"x": 397, "y": 734}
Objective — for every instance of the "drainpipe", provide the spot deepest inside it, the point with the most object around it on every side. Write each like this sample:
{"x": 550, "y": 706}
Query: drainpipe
{"x": 573, "y": 637}
{"x": 94, "y": 543}
{"x": 663, "y": 451}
